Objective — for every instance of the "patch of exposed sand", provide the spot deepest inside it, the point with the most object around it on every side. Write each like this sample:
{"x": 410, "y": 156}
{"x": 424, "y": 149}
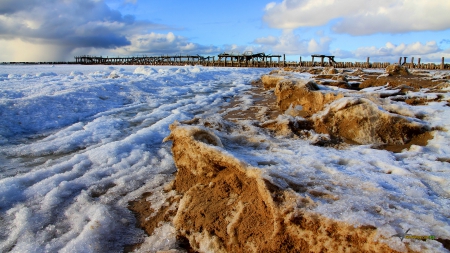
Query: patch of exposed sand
{"x": 353, "y": 119}
{"x": 361, "y": 121}
{"x": 228, "y": 206}
{"x": 264, "y": 105}
{"x": 304, "y": 93}
{"x": 225, "y": 205}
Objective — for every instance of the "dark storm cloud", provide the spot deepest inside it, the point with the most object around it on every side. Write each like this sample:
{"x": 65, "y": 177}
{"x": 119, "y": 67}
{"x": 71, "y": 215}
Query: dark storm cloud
{"x": 72, "y": 23}
{"x": 12, "y": 6}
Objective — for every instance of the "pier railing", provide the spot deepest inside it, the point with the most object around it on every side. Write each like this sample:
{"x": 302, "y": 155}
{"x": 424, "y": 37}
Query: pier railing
{"x": 260, "y": 60}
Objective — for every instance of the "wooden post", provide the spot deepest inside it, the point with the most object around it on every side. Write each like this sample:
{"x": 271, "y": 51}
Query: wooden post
{"x": 412, "y": 63}
{"x": 404, "y": 59}
{"x": 400, "y": 61}
{"x": 321, "y": 61}
{"x": 418, "y": 63}
{"x": 442, "y": 63}
{"x": 368, "y": 62}
{"x": 284, "y": 60}
{"x": 300, "y": 62}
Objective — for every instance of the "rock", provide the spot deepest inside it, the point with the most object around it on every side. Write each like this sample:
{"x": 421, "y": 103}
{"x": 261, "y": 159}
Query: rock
{"x": 113, "y": 75}
{"x": 360, "y": 121}
{"x": 340, "y": 78}
{"x": 303, "y": 92}
{"x": 228, "y": 206}
{"x": 358, "y": 72}
{"x": 397, "y": 70}
{"x": 270, "y": 81}
{"x": 329, "y": 71}
{"x": 315, "y": 71}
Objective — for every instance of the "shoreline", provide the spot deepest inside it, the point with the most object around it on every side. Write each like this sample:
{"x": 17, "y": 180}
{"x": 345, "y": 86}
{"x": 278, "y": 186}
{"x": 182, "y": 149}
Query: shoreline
{"x": 260, "y": 107}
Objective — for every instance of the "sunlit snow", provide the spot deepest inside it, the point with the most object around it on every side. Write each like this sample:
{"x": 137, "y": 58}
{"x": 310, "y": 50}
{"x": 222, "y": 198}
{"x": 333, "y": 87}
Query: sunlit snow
{"x": 78, "y": 142}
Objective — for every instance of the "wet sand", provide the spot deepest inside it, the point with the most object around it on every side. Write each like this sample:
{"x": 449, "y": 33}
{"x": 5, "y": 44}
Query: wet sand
{"x": 221, "y": 204}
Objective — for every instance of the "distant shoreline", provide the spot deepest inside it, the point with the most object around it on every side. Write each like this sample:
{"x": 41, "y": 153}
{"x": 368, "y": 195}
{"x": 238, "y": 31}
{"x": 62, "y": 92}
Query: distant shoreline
{"x": 346, "y": 65}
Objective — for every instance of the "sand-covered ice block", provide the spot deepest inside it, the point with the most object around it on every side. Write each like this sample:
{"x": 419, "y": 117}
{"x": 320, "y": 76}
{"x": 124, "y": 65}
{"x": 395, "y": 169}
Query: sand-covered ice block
{"x": 362, "y": 121}
{"x": 229, "y": 206}
{"x": 303, "y": 92}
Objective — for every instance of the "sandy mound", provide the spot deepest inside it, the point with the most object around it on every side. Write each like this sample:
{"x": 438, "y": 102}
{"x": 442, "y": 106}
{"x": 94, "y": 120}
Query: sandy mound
{"x": 329, "y": 71}
{"x": 353, "y": 119}
{"x": 270, "y": 81}
{"x": 304, "y": 93}
{"x": 396, "y": 81}
{"x": 227, "y": 206}
{"x": 396, "y": 75}
{"x": 358, "y": 72}
{"x": 397, "y": 70}
{"x": 361, "y": 121}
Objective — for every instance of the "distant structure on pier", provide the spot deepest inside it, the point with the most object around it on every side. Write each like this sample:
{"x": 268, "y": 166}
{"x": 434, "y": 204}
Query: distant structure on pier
{"x": 247, "y": 59}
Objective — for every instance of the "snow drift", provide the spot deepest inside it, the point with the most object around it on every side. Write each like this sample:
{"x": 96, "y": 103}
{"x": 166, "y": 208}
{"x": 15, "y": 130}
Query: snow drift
{"x": 228, "y": 206}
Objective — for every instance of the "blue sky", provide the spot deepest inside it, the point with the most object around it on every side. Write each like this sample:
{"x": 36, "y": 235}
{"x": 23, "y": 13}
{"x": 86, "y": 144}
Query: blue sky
{"x": 384, "y": 30}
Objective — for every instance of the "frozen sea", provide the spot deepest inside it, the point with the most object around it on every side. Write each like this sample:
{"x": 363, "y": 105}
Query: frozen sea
{"x": 77, "y": 143}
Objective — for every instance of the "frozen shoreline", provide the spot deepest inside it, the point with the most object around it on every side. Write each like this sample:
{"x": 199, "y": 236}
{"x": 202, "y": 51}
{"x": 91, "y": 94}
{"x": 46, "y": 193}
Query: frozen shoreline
{"x": 379, "y": 193}
{"x": 89, "y": 141}
{"x": 79, "y": 142}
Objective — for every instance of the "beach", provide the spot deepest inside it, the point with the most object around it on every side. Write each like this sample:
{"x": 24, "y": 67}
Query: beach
{"x": 202, "y": 159}
{"x": 274, "y": 172}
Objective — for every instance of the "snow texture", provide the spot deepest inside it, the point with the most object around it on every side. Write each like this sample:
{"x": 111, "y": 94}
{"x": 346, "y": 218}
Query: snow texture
{"x": 77, "y": 143}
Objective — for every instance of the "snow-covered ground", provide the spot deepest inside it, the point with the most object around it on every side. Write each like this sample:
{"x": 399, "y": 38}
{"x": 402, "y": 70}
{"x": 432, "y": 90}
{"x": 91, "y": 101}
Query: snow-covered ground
{"x": 78, "y": 142}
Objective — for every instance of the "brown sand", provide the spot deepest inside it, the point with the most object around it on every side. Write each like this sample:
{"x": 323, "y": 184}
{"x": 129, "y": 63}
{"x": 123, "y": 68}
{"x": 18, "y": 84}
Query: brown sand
{"x": 395, "y": 81}
{"x": 304, "y": 93}
{"x": 228, "y": 207}
{"x": 361, "y": 121}
{"x": 264, "y": 105}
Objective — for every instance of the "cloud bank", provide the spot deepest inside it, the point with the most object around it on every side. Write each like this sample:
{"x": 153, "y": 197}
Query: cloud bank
{"x": 48, "y": 30}
{"x": 356, "y": 17}
{"x": 429, "y": 51}
{"x": 292, "y": 44}
{"x": 164, "y": 44}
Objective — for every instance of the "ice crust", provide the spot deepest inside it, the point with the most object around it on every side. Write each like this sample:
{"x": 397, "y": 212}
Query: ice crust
{"x": 78, "y": 142}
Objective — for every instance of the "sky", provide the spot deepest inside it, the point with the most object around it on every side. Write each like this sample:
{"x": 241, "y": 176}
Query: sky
{"x": 352, "y": 30}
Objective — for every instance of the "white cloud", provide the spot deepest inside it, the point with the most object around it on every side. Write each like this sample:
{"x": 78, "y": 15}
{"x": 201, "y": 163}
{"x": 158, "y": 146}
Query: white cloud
{"x": 357, "y": 17}
{"x": 270, "y": 6}
{"x": 402, "y": 49}
{"x": 17, "y": 50}
{"x": 158, "y": 43}
{"x": 291, "y": 44}
{"x": 269, "y": 40}
{"x": 391, "y": 52}
{"x": 56, "y": 30}
{"x": 66, "y": 25}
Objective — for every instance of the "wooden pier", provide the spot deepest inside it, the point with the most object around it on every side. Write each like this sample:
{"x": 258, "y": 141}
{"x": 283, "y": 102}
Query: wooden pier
{"x": 247, "y": 59}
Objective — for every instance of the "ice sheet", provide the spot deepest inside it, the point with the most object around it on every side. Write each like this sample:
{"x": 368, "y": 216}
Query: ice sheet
{"x": 78, "y": 142}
